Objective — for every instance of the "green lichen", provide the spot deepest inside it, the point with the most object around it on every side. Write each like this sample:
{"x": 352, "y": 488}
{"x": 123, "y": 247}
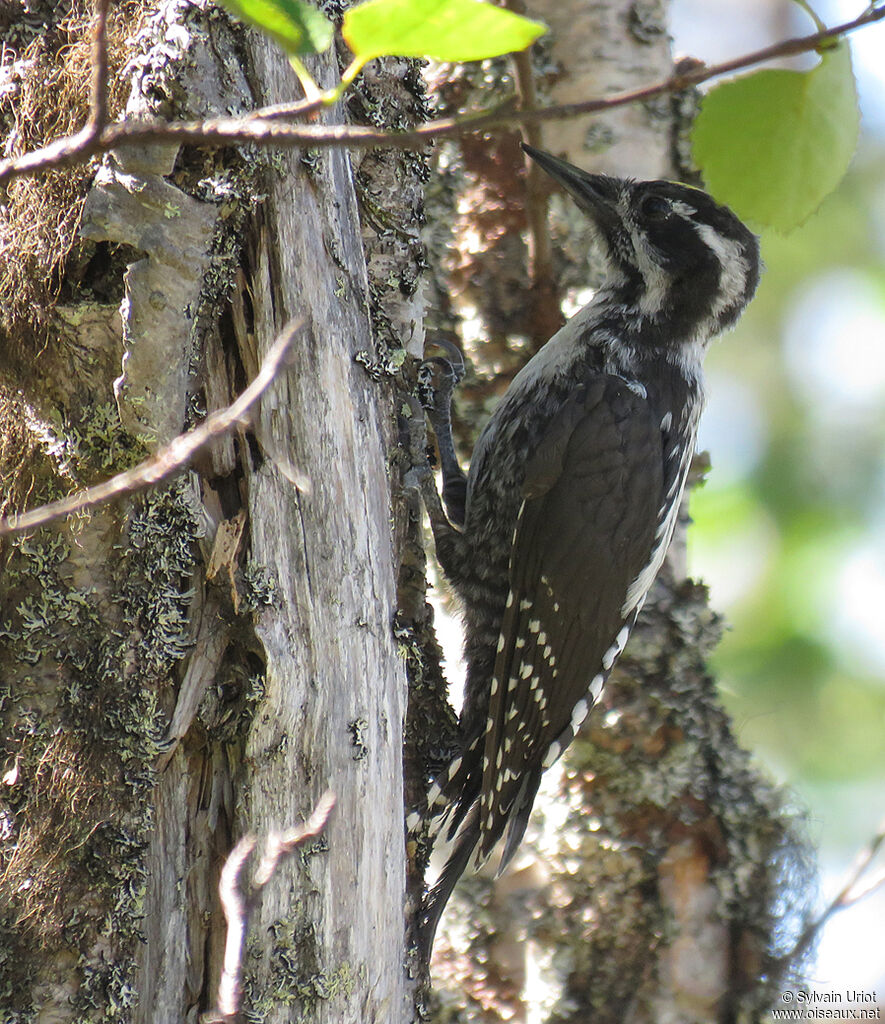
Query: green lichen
{"x": 295, "y": 978}
{"x": 80, "y": 817}
{"x": 289, "y": 982}
{"x": 260, "y": 587}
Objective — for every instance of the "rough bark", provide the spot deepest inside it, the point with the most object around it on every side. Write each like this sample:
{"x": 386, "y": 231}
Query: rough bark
{"x": 650, "y": 888}
{"x": 152, "y": 715}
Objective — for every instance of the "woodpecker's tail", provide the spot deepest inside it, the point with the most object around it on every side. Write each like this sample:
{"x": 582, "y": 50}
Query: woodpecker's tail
{"x": 435, "y": 901}
{"x": 451, "y": 793}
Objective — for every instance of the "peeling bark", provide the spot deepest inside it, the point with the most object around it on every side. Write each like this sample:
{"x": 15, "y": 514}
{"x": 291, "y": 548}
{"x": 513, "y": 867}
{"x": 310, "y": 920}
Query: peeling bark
{"x": 153, "y": 711}
{"x": 151, "y": 715}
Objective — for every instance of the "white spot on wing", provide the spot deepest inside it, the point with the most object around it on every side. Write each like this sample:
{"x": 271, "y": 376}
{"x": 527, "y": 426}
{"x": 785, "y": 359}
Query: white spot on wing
{"x": 638, "y": 589}
{"x": 553, "y": 752}
{"x": 596, "y": 684}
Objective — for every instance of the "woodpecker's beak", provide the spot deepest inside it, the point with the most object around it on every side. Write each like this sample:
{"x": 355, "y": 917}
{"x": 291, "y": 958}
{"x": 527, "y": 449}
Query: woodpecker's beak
{"x": 596, "y": 194}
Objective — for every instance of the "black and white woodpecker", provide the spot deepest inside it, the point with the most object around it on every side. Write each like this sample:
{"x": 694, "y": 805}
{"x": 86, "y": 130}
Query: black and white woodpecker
{"x": 556, "y": 535}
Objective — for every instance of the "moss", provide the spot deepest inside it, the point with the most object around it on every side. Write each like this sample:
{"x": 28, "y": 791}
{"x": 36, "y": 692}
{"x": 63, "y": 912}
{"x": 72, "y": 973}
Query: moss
{"x": 41, "y": 215}
{"x": 82, "y": 728}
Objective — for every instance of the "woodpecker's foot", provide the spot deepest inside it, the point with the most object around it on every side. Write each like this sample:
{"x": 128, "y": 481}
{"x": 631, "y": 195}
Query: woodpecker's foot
{"x": 438, "y": 377}
{"x": 413, "y": 439}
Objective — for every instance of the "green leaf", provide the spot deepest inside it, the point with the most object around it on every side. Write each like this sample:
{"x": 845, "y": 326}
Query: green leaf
{"x": 298, "y": 27}
{"x": 773, "y": 144}
{"x": 455, "y": 30}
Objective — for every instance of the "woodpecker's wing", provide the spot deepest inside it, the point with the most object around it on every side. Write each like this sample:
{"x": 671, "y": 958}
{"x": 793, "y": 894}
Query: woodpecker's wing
{"x": 588, "y": 534}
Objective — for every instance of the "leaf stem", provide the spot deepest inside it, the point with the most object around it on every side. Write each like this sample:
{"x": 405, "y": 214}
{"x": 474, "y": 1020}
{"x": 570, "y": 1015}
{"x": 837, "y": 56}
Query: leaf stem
{"x": 312, "y": 91}
{"x": 809, "y": 10}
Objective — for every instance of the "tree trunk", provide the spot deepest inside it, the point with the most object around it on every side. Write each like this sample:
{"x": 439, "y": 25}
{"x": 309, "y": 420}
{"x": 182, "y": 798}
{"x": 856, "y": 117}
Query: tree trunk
{"x": 648, "y": 889}
{"x": 205, "y": 660}
{"x": 153, "y": 714}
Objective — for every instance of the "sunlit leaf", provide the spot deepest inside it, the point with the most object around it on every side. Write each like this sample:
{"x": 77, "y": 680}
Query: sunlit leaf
{"x": 298, "y": 27}
{"x": 452, "y": 30}
{"x": 773, "y": 144}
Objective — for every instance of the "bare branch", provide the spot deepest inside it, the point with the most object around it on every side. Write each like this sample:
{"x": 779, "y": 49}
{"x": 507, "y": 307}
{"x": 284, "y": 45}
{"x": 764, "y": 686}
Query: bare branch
{"x": 279, "y": 846}
{"x": 238, "y": 907}
{"x": 281, "y": 111}
{"x": 169, "y": 458}
{"x": 544, "y": 294}
{"x": 235, "y": 913}
{"x": 98, "y": 93}
{"x": 260, "y": 127}
{"x": 848, "y": 895}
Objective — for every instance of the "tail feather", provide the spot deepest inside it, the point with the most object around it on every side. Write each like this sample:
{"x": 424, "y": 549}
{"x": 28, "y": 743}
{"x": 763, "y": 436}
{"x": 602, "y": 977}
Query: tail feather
{"x": 517, "y": 821}
{"x": 435, "y": 901}
{"x": 451, "y": 794}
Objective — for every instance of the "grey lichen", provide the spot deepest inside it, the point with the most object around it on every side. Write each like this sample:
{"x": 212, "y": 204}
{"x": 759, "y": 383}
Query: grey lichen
{"x": 79, "y": 809}
{"x": 260, "y": 587}
{"x": 655, "y": 781}
{"x": 296, "y": 978}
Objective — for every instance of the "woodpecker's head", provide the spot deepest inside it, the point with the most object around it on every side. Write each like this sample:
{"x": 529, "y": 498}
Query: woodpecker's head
{"x": 673, "y": 254}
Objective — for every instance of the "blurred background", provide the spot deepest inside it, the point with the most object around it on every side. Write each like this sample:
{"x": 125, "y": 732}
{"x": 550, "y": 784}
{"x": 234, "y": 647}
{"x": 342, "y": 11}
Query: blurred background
{"x": 790, "y": 527}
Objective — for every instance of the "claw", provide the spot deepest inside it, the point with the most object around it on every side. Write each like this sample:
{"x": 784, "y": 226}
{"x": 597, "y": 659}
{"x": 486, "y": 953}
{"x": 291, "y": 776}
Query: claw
{"x": 438, "y": 377}
{"x": 456, "y": 357}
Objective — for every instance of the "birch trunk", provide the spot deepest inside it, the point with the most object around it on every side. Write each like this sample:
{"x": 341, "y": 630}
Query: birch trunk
{"x": 649, "y": 888}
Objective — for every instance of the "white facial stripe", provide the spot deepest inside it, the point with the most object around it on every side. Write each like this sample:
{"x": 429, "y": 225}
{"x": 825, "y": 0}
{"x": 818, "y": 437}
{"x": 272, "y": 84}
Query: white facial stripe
{"x": 657, "y": 282}
{"x": 733, "y": 280}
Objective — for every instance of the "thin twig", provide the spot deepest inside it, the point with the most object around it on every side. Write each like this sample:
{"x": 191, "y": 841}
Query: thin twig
{"x": 847, "y": 896}
{"x": 545, "y": 304}
{"x": 98, "y": 91}
{"x": 169, "y": 458}
{"x": 233, "y": 903}
{"x": 294, "y": 108}
{"x": 238, "y": 907}
{"x": 256, "y": 128}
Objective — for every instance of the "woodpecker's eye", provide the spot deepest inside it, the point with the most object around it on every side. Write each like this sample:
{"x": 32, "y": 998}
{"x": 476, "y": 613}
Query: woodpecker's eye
{"x": 655, "y": 208}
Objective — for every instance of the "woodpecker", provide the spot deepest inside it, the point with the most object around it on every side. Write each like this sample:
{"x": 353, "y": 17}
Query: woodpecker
{"x": 555, "y": 536}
